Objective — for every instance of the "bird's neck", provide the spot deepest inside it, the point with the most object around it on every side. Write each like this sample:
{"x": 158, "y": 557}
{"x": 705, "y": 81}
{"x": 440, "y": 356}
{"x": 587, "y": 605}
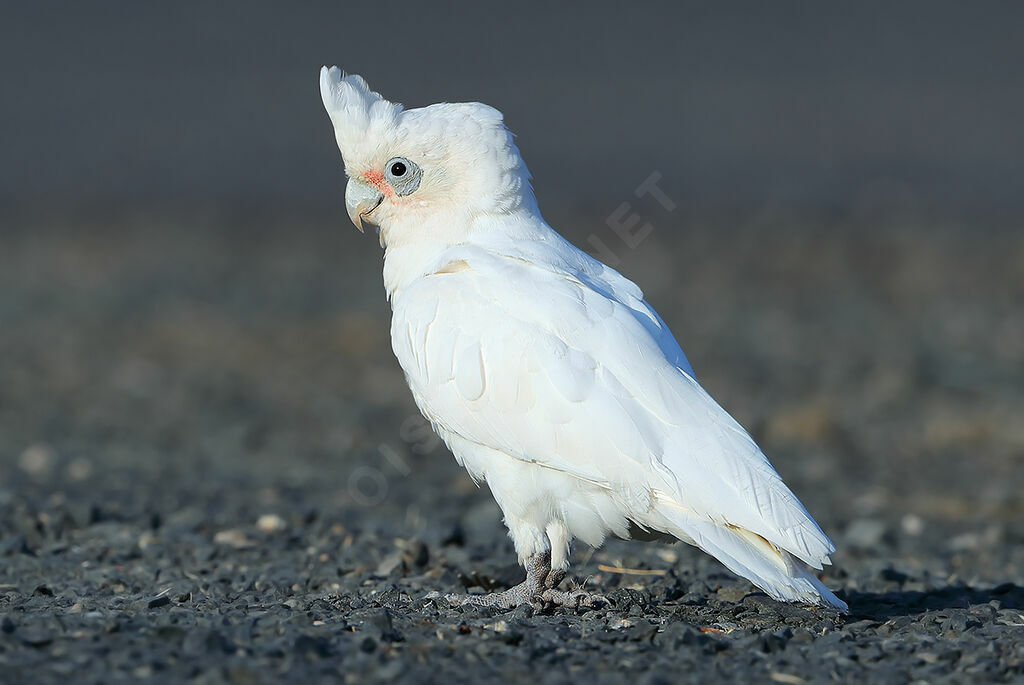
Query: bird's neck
{"x": 406, "y": 261}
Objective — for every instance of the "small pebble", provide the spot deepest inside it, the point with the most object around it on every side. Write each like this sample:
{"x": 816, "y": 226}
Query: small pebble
{"x": 271, "y": 523}
{"x": 233, "y": 537}
{"x": 160, "y": 600}
{"x": 912, "y": 524}
{"x": 37, "y": 459}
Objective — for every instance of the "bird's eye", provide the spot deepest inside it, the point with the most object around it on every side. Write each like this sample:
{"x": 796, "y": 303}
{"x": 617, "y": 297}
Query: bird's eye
{"x": 403, "y": 175}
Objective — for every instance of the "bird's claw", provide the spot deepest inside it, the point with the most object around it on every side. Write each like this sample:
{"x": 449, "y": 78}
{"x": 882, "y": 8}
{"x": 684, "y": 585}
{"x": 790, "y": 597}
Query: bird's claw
{"x": 502, "y": 600}
{"x": 574, "y": 599}
{"x": 538, "y": 590}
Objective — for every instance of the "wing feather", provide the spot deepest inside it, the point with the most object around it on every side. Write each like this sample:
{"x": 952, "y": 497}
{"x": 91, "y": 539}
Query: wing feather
{"x": 565, "y": 365}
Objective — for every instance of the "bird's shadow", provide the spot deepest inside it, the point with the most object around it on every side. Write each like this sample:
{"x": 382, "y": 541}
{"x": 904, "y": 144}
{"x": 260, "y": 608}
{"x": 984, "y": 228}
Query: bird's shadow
{"x": 882, "y": 606}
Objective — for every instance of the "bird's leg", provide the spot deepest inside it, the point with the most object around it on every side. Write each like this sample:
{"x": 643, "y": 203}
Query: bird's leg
{"x": 539, "y": 586}
{"x": 553, "y": 578}
{"x": 538, "y": 567}
{"x": 573, "y": 598}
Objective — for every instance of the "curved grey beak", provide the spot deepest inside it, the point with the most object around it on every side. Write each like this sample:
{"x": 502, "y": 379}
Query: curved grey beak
{"x": 361, "y": 199}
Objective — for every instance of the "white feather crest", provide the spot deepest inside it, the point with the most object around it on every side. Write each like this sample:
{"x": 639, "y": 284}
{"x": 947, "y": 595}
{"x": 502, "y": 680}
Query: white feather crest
{"x": 357, "y": 113}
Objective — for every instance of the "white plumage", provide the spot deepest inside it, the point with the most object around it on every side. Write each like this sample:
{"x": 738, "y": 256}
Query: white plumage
{"x": 545, "y": 371}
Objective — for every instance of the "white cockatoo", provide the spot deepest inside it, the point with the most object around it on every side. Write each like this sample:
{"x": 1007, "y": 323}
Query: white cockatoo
{"x": 543, "y": 370}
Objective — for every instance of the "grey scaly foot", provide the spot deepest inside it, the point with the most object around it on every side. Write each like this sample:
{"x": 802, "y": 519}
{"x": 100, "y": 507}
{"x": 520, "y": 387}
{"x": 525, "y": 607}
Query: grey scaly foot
{"x": 527, "y": 592}
{"x": 553, "y": 578}
{"x": 537, "y": 589}
{"x": 573, "y": 599}
{"x": 507, "y": 599}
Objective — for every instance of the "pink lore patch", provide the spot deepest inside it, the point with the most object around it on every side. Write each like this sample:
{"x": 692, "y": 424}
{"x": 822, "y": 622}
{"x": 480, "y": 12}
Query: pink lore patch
{"x": 377, "y": 180}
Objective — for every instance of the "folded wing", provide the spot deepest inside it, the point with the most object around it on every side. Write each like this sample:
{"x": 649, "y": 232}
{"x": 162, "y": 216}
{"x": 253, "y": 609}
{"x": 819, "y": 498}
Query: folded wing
{"x": 566, "y": 367}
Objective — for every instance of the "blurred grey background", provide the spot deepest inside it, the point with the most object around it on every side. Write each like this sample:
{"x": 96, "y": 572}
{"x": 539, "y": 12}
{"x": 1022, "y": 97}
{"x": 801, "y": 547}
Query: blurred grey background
{"x": 741, "y": 104}
{"x": 184, "y": 303}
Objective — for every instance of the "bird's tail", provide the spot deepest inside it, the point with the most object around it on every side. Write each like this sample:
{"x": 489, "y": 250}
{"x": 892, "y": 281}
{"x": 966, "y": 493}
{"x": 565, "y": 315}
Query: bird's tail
{"x": 747, "y": 554}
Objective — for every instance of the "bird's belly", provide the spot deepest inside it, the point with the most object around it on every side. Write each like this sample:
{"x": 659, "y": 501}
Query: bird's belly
{"x": 533, "y": 497}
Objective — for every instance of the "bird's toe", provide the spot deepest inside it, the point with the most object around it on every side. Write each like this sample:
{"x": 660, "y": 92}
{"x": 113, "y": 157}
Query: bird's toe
{"x": 553, "y": 578}
{"x": 575, "y": 599}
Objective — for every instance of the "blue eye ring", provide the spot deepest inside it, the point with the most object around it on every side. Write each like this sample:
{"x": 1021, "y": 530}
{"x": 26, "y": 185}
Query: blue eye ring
{"x": 402, "y": 175}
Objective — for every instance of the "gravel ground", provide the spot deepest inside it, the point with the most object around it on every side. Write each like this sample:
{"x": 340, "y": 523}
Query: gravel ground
{"x": 212, "y": 471}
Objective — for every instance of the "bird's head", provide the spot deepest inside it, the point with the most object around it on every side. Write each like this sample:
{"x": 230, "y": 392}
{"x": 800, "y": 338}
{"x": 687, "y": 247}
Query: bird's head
{"x": 422, "y": 174}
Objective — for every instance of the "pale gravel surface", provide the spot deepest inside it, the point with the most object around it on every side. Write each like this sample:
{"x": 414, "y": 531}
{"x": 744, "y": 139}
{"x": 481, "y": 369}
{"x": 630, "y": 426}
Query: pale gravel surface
{"x": 210, "y": 468}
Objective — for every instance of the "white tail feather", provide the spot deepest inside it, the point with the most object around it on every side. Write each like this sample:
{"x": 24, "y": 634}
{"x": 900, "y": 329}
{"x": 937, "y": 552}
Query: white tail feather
{"x": 774, "y": 570}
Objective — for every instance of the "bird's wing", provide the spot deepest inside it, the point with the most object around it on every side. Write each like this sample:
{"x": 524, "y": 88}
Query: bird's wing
{"x": 538, "y": 363}
{"x": 562, "y": 257}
